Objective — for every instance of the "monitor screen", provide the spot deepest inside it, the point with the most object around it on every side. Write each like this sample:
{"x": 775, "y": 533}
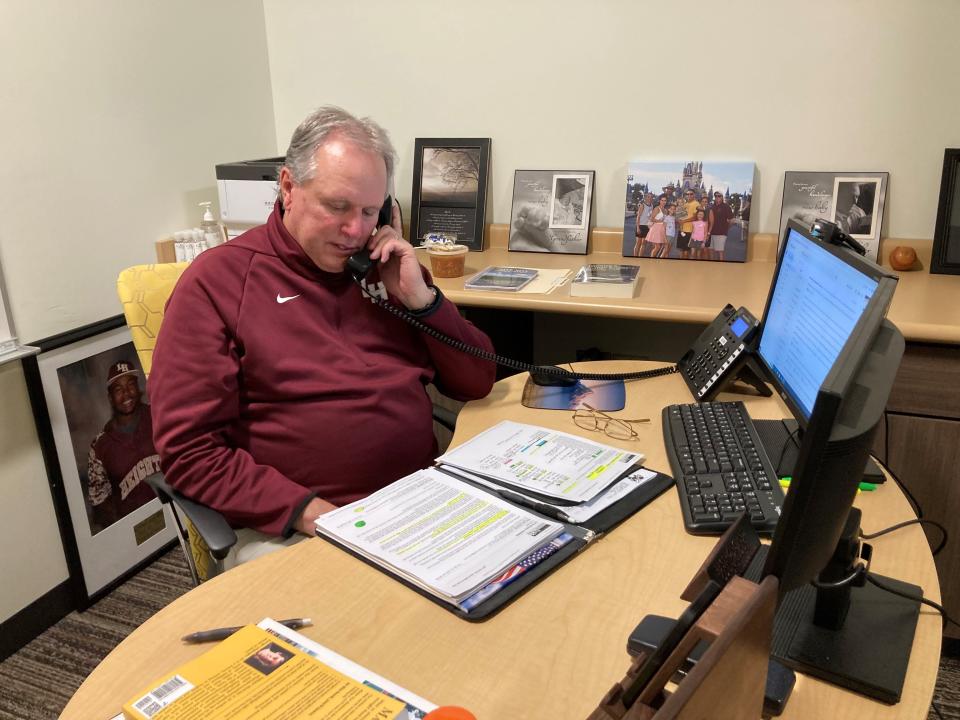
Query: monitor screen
{"x": 817, "y": 299}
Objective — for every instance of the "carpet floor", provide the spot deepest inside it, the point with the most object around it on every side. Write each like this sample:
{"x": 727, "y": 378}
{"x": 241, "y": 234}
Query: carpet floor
{"x": 37, "y": 681}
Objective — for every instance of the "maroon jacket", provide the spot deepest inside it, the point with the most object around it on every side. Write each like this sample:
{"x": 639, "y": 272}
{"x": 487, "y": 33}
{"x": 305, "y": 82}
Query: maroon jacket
{"x": 274, "y": 381}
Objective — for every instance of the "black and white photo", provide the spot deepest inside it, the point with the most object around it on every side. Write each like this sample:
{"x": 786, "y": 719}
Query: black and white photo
{"x": 551, "y": 211}
{"x": 851, "y": 199}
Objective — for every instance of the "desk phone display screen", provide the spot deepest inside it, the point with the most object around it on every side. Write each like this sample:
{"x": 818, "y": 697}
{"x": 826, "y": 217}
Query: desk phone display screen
{"x": 739, "y": 326}
{"x": 817, "y": 301}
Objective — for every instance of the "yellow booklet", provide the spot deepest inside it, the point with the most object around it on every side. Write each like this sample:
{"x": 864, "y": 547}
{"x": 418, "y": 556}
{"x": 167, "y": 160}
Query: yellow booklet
{"x": 253, "y": 674}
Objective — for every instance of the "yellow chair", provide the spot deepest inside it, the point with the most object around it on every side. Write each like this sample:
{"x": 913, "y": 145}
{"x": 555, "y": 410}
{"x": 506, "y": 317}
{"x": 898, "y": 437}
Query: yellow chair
{"x": 143, "y": 291}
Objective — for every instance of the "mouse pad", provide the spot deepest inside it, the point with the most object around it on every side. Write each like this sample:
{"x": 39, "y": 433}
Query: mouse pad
{"x": 606, "y": 395}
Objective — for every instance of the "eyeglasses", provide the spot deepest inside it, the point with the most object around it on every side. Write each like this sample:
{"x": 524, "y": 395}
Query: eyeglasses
{"x": 587, "y": 418}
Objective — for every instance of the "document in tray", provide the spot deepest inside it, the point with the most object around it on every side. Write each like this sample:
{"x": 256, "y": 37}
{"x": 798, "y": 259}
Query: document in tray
{"x": 445, "y": 536}
{"x": 576, "y": 514}
{"x": 548, "y": 462}
{"x": 416, "y": 707}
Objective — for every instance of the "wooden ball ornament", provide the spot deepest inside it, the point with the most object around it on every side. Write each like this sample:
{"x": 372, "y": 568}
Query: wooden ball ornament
{"x": 450, "y": 712}
{"x": 902, "y": 257}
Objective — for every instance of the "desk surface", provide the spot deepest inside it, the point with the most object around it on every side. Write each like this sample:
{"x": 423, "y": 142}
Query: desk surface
{"x": 924, "y": 305}
{"x": 556, "y": 650}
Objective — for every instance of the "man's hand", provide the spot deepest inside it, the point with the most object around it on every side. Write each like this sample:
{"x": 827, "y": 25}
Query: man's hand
{"x": 314, "y": 509}
{"x": 399, "y": 267}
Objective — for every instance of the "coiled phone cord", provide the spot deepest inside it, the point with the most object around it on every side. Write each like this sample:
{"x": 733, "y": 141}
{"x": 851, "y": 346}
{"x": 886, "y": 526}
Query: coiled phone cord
{"x": 551, "y": 370}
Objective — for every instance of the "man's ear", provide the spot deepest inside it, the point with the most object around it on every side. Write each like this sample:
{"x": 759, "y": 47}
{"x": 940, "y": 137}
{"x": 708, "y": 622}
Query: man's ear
{"x": 286, "y": 187}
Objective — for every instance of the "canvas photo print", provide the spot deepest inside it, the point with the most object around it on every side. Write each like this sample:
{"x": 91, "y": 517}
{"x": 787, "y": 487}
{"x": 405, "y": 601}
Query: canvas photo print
{"x": 693, "y": 210}
{"x": 853, "y": 200}
{"x": 551, "y": 211}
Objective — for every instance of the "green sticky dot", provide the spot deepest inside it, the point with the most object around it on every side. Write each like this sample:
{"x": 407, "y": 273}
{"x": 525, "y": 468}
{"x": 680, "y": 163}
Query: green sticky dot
{"x": 360, "y": 523}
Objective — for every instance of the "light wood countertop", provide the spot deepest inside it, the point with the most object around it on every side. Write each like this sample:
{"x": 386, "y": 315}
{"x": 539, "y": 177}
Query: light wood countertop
{"x": 925, "y": 307}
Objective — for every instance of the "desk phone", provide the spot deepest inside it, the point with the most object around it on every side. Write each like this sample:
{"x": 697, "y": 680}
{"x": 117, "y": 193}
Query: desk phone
{"x": 719, "y": 353}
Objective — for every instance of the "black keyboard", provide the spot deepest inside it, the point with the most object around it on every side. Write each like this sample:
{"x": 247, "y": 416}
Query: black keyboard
{"x": 720, "y": 467}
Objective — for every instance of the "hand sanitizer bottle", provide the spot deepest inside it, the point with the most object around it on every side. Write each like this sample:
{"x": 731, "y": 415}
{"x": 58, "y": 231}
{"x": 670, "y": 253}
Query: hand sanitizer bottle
{"x": 212, "y": 230}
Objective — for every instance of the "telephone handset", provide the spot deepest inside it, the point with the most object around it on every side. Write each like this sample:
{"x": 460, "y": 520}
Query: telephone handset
{"x": 359, "y": 264}
{"x": 723, "y": 354}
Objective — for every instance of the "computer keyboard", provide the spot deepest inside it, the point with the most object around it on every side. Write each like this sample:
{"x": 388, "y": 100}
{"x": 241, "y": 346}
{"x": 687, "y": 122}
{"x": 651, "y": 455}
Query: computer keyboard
{"x": 720, "y": 467}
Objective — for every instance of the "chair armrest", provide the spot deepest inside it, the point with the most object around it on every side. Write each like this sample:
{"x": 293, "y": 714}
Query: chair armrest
{"x": 447, "y": 418}
{"x": 212, "y": 526}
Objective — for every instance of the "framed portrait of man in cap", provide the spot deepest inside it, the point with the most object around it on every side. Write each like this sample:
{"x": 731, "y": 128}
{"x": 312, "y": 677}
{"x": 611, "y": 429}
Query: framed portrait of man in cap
{"x": 92, "y": 411}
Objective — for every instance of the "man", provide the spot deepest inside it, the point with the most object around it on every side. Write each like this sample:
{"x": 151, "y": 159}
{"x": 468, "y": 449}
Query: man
{"x": 122, "y": 455}
{"x": 686, "y": 218}
{"x": 280, "y": 391}
{"x": 719, "y": 225}
{"x": 644, "y": 209}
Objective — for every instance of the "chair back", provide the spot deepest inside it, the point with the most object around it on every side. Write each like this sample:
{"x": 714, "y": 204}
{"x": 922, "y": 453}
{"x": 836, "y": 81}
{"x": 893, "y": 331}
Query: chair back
{"x": 144, "y": 291}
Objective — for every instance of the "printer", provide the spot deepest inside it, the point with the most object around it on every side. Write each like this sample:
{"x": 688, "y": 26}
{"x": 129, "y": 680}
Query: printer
{"x": 247, "y": 190}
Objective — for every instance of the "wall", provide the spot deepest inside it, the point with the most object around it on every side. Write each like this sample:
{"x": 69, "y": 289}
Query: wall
{"x": 114, "y": 114}
{"x": 823, "y": 85}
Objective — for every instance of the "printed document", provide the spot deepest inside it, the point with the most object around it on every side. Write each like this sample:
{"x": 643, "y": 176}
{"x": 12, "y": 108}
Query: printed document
{"x": 576, "y": 514}
{"x": 440, "y": 533}
{"x": 548, "y": 462}
{"x": 416, "y": 707}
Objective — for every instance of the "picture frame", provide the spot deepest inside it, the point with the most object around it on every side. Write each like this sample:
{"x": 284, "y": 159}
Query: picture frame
{"x": 551, "y": 211}
{"x": 721, "y": 190}
{"x": 87, "y": 393}
{"x": 450, "y": 189}
{"x": 853, "y": 200}
{"x": 945, "y": 257}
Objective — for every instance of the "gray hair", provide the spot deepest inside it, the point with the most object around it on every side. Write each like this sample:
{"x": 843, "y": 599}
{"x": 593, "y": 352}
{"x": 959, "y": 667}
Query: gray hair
{"x": 322, "y": 124}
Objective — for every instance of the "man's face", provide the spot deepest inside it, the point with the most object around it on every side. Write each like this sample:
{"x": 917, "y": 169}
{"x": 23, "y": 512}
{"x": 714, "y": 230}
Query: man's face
{"x": 688, "y": 196}
{"x": 718, "y": 199}
{"x": 270, "y": 658}
{"x": 333, "y": 214}
{"x": 124, "y": 395}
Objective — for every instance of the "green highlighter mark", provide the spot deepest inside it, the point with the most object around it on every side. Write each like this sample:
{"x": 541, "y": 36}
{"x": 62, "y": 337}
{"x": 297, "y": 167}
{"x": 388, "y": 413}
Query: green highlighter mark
{"x": 360, "y": 523}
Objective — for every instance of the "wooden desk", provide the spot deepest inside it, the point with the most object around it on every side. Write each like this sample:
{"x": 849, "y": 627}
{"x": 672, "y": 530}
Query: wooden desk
{"x": 555, "y": 651}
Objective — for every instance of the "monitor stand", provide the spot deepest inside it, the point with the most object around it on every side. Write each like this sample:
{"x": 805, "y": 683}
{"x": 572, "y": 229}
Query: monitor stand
{"x": 856, "y": 637}
{"x": 781, "y": 440}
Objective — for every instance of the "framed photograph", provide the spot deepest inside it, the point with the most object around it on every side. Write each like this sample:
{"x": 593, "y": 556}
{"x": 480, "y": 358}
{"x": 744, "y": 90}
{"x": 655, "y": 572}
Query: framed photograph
{"x": 92, "y": 413}
{"x": 450, "y": 189}
{"x": 551, "y": 211}
{"x": 945, "y": 259}
{"x": 694, "y": 210}
{"x": 853, "y": 200}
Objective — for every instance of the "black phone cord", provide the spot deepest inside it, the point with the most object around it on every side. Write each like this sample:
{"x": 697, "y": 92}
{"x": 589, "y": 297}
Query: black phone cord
{"x": 463, "y": 347}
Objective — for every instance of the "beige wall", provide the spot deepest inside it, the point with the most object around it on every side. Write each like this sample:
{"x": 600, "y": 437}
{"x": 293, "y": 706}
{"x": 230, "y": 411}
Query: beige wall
{"x": 113, "y": 116}
{"x": 821, "y": 84}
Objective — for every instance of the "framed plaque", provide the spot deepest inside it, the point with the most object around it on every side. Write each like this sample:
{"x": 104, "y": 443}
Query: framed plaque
{"x": 92, "y": 414}
{"x": 450, "y": 189}
{"x": 946, "y": 238}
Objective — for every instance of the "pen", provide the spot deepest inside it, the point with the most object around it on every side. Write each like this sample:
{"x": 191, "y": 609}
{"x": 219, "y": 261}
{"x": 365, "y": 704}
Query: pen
{"x": 224, "y": 633}
{"x": 865, "y": 486}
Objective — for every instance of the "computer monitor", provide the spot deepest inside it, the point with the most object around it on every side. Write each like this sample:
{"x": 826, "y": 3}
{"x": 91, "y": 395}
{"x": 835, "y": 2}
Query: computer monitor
{"x": 833, "y": 358}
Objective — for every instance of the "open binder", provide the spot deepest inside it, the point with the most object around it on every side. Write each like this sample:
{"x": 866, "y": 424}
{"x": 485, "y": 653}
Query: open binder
{"x": 583, "y": 534}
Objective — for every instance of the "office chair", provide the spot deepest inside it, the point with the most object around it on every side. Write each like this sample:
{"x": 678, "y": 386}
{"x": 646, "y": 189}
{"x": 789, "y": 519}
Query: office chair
{"x": 205, "y": 535}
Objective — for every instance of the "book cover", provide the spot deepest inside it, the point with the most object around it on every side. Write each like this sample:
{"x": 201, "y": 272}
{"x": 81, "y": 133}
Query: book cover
{"x": 501, "y": 278}
{"x": 602, "y": 280}
{"x": 254, "y": 670}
